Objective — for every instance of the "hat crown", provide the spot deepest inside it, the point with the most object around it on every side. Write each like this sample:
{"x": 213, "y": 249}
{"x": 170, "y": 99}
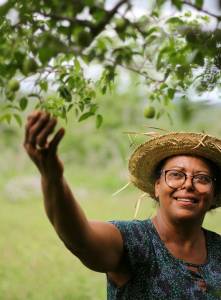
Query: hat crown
{"x": 146, "y": 157}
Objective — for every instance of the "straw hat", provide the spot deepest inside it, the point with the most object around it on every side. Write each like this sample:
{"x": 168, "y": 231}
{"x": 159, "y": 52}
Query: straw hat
{"x": 145, "y": 159}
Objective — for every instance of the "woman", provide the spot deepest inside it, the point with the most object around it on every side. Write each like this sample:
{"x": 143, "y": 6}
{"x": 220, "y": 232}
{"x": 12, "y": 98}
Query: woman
{"x": 168, "y": 257}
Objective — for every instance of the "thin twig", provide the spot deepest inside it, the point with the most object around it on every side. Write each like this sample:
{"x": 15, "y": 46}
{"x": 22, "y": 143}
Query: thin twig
{"x": 202, "y": 10}
{"x": 100, "y": 27}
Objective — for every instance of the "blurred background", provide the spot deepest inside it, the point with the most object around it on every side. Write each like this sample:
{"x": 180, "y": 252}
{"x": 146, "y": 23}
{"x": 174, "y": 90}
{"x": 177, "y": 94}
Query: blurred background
{"x": 34, "y": 264}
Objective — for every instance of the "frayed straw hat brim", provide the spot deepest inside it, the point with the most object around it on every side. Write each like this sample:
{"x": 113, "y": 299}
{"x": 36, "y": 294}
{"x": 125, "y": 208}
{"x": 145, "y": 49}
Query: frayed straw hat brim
{"x": 147, "y": 156}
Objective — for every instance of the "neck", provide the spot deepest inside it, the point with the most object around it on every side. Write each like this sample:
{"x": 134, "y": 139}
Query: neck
{"x": 178, "y": 231}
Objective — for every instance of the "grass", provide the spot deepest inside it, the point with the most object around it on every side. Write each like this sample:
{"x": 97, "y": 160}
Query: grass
{"x": 35, "y": 265}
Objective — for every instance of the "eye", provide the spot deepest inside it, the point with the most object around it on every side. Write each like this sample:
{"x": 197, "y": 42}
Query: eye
{"x": 175, "y": 174}
{"x": 203, "y": 179}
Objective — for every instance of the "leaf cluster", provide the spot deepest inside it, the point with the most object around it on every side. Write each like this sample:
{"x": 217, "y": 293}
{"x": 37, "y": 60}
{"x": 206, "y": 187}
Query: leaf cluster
{"x": 53, "y": 44}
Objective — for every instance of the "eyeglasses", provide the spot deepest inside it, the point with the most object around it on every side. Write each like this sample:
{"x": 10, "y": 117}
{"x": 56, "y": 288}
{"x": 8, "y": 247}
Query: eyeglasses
{"x": 176, "y": 179}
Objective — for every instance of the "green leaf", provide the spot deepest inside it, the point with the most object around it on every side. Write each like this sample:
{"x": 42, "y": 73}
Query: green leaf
{"x": 99, "y": 14}
{"x": 23, "y": 102}
{"x": 99, "y": 120}
{"x": 49, "y": 46}
{"x": 199, "y": 3}
{"x": 77, "y": 66}
{"x": 163, "y": 86}
{"x": 6, "y": 117}
{"x": 192, "y": 37}
{"x": 171, "y": 93}
{"x": 199, "y": 59}
{"x": 152, "y": 30}
{"x": 11, "y": 106}
{"x": 104, "y": 89}
{"x": 34, "y": 95}
{"x": 160, "y": 113}
{"x": 5, "y": 8}
{"x": 18, "y": 119}
{"x": 29, "y": 66}
{"x": 84, "y": 38}
{"x": 160, "y": 2}
{"x": 93, "y": 108}
{"x": 70, "y": 107}
{"x": 10, "y": 95}
{"x": 175, "y": 21}
{"x": 65, "y": 93}
{"x": 162, "y": 52}
{"x": 85, "y": 116}
{"x": 152, "y": 38}
{"x": 43, "y": 85}
{"x": 155, "y": 13}
{"x": 76, "y": 112}
{"x": 177, "y": 3}
{"x": 81, "y": 106}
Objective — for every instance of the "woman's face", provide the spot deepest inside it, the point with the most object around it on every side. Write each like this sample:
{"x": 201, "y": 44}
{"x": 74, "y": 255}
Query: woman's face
{"x": 186, "y": 201}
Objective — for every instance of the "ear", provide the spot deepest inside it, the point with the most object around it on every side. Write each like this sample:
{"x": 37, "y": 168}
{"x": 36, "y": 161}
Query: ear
{"x": 157, "y": 187}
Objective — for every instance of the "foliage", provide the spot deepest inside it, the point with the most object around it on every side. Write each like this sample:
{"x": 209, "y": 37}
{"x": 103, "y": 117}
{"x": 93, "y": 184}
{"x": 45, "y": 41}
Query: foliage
{"x": 47, "y": 47}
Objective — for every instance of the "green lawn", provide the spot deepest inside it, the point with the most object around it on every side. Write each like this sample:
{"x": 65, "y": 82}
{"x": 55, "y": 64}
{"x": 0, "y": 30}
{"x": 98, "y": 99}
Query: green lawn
{"x": 34, "y": 263}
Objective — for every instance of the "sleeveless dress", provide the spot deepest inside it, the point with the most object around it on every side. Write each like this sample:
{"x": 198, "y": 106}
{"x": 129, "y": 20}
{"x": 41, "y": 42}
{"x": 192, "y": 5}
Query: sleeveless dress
{"x": 157, "y": 274}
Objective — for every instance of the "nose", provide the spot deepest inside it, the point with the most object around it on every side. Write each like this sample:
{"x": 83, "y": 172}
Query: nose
{"x": 188, "y": 184}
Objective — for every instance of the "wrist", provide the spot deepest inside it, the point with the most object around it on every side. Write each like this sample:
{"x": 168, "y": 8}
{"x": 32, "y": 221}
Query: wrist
{"x": 52, "y": 179}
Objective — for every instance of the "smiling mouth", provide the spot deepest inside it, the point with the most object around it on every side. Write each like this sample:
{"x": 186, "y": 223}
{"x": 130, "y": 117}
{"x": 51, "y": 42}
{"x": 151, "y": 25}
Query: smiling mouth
{"x": 187, "y": 200}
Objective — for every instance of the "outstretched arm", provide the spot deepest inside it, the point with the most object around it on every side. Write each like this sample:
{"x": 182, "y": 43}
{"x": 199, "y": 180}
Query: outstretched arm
{"x": 98, "y": 245}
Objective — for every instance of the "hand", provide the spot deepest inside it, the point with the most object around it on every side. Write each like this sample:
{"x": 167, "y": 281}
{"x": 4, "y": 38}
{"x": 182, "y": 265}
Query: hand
{"x": 40, "y": 125}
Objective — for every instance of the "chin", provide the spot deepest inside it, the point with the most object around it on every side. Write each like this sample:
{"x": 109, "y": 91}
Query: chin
{"x": 188, "y": 215}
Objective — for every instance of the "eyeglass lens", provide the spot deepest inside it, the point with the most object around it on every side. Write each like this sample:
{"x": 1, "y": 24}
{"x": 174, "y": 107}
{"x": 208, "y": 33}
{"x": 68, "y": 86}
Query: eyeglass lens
{"x": 176, "y": 179}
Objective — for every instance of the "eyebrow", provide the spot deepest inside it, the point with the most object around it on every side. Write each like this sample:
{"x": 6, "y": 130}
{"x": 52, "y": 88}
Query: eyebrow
{"x": 183, "y": 169}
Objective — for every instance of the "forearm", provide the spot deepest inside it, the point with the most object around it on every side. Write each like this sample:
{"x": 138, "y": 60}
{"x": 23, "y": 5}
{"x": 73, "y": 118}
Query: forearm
{"x": 65, "y": 213}
{"x": 98, "y": 244}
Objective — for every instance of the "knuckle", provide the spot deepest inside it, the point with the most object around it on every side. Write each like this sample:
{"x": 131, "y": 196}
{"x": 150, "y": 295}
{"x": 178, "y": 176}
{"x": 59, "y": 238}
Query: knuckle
{"x": 40, "y": 140}
{"x": 44, "y": 118}
{"x": 37, "y": 139}
{"x": 33, "y": 114}
{"x": 53, "y": 123}
{"x": 32, "y": 131}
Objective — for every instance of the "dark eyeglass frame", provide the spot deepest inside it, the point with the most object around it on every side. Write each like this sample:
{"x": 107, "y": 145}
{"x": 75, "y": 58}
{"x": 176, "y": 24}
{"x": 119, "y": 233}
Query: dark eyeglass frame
{"x": 213, "y": 179}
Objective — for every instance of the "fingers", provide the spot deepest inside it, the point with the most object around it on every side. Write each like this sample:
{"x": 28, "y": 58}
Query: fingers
{"x": 41, "y": 138}
{"x": 56, "y": 140}
{"x": 32, "y": 118}
{"x": 38, "y": 128}
{"x": 35, "y": 126}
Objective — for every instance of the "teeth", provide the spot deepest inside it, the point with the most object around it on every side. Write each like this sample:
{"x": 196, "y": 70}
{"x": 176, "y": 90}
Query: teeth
{"x": 185, "y": 200}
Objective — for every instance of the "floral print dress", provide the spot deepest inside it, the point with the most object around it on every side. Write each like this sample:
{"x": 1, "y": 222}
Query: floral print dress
{"x": 157, "y": 274}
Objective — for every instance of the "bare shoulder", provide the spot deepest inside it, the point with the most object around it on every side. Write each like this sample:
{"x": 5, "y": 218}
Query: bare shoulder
{"x": 121, "y": 273}
{"x": 107, "y": 230}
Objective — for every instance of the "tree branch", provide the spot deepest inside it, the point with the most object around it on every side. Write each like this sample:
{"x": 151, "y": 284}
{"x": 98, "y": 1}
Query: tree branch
{"x": 109, "y": 16}
{"x": 202, "y": 10}
{"x": 65, "y": 18}
{"x": 95, "y": 29}
{"x": 137, "y": 71}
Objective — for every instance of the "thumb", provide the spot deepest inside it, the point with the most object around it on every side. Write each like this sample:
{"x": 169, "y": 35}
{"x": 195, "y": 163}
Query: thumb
{"x": 53, "y": 145}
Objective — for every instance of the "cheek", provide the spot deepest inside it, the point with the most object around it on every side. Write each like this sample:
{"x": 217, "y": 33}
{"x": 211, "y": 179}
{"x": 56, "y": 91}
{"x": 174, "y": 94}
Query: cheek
{"x": 161, "y": 188}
